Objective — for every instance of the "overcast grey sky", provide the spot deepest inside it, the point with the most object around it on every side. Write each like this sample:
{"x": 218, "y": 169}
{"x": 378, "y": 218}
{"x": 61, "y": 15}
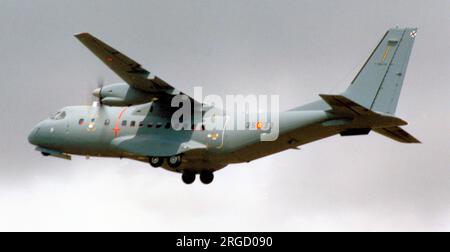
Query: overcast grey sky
{"x": 296, "y": 49}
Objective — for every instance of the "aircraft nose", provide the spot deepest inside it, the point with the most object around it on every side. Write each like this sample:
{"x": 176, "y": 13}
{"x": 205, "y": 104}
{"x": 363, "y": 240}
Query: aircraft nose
{"x": 32, "y": 137}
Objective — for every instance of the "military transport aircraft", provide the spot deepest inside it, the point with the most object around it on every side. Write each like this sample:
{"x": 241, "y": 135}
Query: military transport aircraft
{"x": 132, "y": 119}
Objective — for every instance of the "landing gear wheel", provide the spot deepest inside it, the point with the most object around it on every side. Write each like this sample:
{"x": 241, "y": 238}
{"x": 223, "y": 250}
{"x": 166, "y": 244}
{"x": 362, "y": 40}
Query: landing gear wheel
{"x": 206, "y": 177}
{"x": 188, "y": 177}
{"x": 156, "y": 161}
{"x": 174, "y": 161}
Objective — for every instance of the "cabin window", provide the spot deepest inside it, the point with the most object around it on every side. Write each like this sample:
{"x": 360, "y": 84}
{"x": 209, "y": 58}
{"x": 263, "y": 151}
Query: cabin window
{"x": 93, "y": 120}
{"x": 203, "y": 127}
{"x": 149, "y": 125}
{"x": 124, "y": 123}
{"x": 81, "y": 121}
{"x": 158, "y": 125}
{"x": 107, "y": 122}
{"x": 132, "y": 124}
{"x": 193, "y": 127}
{"x": 141, "y": 124}
{"x": 168, "y": 125}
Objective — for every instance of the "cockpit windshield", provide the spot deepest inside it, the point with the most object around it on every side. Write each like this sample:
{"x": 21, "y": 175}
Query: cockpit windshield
{"x": 58, "y": 115}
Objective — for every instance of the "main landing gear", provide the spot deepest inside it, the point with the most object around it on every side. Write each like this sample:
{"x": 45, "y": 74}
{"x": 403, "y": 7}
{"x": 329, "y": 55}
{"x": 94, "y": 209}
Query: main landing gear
{"x": 206, "y": 177}
{"x": 188, "y": 177}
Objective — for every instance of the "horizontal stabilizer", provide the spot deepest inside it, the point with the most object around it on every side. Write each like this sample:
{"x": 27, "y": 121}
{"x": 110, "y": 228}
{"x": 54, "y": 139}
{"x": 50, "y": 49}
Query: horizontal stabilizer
{"x": 343, "y": 105}
{"x": 397, "y": 134}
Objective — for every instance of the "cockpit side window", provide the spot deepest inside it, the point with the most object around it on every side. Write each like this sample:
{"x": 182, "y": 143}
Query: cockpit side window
{"x": 58, "y": 115}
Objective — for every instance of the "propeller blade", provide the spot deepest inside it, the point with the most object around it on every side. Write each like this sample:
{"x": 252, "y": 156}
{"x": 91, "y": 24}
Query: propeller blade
{"x": 97, "y": 92}
{"x": 94, "y": 94}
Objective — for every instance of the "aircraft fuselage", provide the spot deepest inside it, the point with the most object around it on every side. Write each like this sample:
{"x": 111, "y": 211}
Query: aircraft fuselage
{"x": 100, "y": 131}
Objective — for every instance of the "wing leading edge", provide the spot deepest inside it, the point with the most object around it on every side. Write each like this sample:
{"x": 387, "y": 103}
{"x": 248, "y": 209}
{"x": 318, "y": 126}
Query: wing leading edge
{"x": 129, "y": 70}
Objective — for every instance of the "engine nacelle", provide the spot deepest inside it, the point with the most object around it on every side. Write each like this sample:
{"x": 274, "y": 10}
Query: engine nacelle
{"x": 122, "y": 94}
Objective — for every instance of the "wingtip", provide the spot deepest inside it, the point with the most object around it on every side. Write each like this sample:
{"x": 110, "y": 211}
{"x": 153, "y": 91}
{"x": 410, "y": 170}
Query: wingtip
{"x": 81, "y": 34}
{"x": 324, "y": 96}
{"x": 417, "y": 141}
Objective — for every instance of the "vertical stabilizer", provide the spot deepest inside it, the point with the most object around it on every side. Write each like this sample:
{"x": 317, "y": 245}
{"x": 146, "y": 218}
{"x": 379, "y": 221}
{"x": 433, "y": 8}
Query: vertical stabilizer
{"x": 378, "y": 84}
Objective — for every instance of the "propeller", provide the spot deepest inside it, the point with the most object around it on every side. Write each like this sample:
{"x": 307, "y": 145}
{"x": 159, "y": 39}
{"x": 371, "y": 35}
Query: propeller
{"x": 96, "y": 100}
{"x": 95, "y": 97}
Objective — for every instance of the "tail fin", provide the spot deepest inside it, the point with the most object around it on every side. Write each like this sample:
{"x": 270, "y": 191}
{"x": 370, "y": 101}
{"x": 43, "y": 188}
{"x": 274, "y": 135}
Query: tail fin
{"x": 375, "y": 91}
{"x": 378, "y": 84}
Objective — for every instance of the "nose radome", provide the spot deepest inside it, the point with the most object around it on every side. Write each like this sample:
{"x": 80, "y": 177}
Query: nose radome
{"x": 32, "y": 136}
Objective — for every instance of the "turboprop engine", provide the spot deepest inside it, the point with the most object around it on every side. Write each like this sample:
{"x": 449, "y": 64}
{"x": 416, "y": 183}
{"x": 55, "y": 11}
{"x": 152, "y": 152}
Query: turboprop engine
{"x": 121, "y": 94}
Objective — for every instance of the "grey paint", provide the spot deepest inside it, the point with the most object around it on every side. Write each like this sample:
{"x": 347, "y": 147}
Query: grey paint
{"x": 377, "y": 86}
{"x": 143, "y": 132}
{"x": 225, "y": 47}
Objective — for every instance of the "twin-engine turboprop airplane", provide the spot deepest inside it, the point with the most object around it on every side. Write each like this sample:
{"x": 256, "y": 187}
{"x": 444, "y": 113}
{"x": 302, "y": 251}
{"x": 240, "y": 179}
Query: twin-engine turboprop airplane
{"x": 133, "y": 119}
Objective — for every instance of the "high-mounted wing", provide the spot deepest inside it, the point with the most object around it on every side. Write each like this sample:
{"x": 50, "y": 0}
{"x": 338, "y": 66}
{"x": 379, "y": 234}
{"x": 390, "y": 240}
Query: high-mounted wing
{"x": 129, "y": 70}
{"x": 133, "y": 73}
